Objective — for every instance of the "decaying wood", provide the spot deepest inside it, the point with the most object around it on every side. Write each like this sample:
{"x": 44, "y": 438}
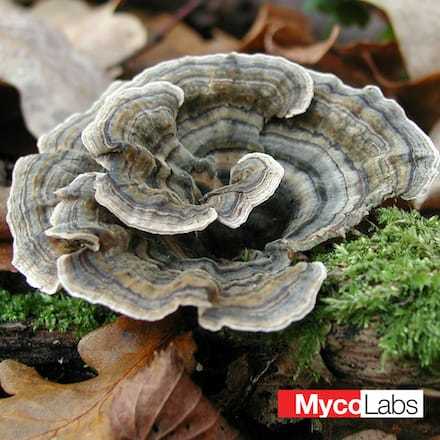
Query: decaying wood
{"x": 20, "y": 342}
{"x": 53, "y": 354}
{"x": 354, "y": 356}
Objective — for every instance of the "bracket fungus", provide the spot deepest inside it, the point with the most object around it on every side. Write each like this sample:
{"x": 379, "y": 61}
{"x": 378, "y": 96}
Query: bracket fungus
{"x": 143, "y": 202}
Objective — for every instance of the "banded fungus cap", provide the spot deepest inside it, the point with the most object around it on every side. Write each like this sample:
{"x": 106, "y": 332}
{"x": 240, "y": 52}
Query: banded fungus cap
{"x": 124, "y": 202}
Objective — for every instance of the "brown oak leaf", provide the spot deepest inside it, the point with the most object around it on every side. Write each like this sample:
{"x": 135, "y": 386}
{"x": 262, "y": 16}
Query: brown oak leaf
{"x": 161, "y": 402}
{"x": 41, "y": 409}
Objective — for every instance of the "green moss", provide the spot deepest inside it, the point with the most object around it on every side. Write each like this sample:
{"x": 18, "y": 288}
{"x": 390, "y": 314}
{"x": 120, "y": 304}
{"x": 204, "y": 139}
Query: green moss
{"x": 52, "y": 312}
{"x": 392, "y": 277}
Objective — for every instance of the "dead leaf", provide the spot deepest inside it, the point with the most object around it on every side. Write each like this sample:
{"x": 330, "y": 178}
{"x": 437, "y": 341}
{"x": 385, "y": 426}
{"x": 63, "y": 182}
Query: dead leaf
{"x": 348, "y": 63}
{"x": 54, "y": 81}
{"x": 283, "y": 31}
{"x": 346, "y": 69}
{"x": 385, "y": 55}
{"x": 431, "y": 200}
{"x": 98, "y": 32}
{"x": 5, "y": 233}
{"x": 420, "y": 99}
{"x": 296, "y": 28}
{"x": 161, "y": 401}
{"x": 417, "y": 29}
{"x": 358, "y": 64}
{"x": 371, "y": 434}
{"x": 42, "y": 409}
{"x": 6, "y": 253}
{"x": 179, "y": 41}
{"x": 309, "y": 54}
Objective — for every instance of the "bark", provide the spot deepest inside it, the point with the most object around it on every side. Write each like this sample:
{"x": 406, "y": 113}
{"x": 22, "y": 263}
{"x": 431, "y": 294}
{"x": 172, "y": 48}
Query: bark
{"x": 354, "y": 357}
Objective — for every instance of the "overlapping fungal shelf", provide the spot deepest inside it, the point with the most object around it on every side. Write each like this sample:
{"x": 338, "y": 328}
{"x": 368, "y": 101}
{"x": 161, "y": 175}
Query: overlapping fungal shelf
{"x": 122, "y": 202}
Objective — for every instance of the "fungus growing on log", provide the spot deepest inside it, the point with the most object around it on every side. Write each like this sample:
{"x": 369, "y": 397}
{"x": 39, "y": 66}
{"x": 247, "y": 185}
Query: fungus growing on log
{"x": 144, "y": 202}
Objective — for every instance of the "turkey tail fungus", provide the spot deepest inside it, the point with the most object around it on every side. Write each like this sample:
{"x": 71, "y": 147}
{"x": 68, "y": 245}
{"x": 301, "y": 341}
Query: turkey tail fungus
{"x": 144, "y": 202}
